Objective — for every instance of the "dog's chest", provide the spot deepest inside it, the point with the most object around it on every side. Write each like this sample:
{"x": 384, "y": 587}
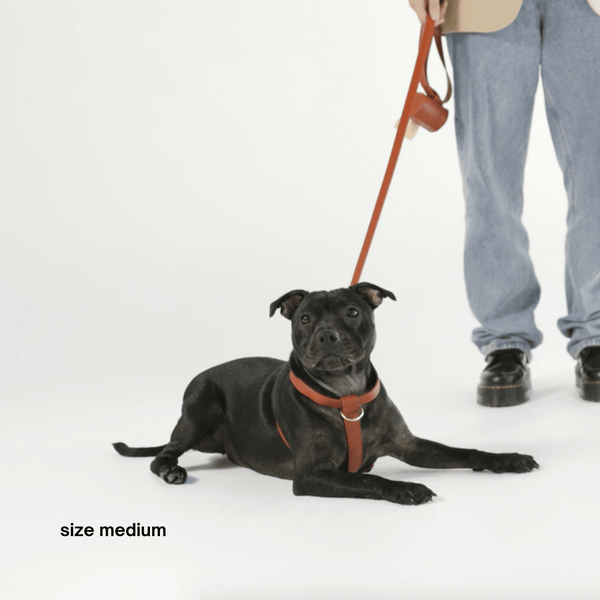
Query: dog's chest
{"x": 374, "y": 428}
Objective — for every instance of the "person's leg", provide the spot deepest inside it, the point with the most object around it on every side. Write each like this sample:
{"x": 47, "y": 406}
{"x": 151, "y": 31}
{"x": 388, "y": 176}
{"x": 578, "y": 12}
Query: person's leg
{"x": 495, "y": 79}
{"x": 571, "y": 77}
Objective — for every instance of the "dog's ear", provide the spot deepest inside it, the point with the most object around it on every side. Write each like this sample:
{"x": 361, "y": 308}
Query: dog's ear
{"x": 372, "y": 294}
{"x": 288, "y": 303}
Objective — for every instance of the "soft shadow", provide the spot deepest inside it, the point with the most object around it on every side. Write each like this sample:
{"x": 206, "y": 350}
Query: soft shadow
{"x": 543, "y": 392}
{"x": 215, "y": 463}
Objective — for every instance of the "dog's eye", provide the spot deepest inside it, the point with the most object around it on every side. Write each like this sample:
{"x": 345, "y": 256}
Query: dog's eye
{"x": 304, "y": 319}
{"x": 352, "y": 312}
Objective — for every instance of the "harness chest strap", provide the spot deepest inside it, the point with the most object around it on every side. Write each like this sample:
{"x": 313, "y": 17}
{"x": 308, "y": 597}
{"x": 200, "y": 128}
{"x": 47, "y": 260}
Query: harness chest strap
{"x": 351, "y": 411}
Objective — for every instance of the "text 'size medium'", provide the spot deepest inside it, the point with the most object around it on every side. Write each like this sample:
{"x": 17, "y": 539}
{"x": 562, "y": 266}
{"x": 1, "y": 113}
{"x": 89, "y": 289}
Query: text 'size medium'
{"x": 133, "y": 530}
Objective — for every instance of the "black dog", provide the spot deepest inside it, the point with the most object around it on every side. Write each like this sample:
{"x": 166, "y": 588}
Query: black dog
{"x": 250, "y": 410}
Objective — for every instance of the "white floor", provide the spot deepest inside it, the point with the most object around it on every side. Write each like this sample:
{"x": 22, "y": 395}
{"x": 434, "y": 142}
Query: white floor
{"x": 168, "y": 171}
{"x": 232, "y": 533}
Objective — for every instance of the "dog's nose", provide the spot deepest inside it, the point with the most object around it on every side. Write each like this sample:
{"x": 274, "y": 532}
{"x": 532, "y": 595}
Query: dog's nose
{"x": 328, "y": 335}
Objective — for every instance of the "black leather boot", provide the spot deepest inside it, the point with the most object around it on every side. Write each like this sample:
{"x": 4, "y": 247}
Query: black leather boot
{"x": 587, "y": 373}
{"x": 506, "y": 380}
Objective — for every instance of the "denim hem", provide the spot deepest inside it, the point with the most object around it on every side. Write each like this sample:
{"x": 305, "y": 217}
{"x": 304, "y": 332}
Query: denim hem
{"x": 576, "y": 350}
{"x": 493, "y": 346}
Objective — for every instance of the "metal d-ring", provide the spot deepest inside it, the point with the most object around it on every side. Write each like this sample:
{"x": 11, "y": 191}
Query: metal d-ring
{"x": 362, "y": 414}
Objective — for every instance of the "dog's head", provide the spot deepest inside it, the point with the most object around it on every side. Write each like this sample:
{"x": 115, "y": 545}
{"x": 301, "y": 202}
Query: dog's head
{"x": 332, "y": 330}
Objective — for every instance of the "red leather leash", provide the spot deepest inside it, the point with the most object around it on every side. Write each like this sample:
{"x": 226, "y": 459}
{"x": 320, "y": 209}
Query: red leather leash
{"x": 351, "y": 411}
{"x": 433, "y": 116}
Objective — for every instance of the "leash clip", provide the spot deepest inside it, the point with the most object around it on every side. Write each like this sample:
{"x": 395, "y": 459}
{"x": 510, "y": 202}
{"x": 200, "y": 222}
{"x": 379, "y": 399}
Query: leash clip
{"x": 362, "y": 414}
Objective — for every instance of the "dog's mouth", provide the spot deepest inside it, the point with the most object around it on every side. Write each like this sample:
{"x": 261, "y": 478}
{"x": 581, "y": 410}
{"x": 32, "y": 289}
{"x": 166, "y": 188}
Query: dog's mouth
{"x": 330, "y": 362}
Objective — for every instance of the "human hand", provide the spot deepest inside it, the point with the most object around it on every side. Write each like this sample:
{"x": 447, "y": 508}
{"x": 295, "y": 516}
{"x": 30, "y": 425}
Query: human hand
{"x": 436, "y": 9}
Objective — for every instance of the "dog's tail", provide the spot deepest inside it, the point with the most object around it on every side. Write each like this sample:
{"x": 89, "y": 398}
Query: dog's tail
{"x": 125, "y": 450}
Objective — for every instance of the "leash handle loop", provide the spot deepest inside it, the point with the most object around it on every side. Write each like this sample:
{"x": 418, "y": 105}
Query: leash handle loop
{"x": 424, "y": 81}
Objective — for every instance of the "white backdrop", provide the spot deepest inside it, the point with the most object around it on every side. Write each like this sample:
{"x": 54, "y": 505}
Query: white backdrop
{"x": 168, "y": 170}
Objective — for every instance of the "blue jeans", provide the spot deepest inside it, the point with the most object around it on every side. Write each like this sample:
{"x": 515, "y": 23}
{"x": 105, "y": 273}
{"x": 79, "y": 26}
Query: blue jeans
{"x": 495, "y": 79}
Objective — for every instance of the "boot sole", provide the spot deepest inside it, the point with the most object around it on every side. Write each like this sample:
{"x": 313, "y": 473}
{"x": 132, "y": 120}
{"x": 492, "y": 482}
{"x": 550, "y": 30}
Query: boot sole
{"x": 510, "y": 395}
{"x": 588, "y": 390}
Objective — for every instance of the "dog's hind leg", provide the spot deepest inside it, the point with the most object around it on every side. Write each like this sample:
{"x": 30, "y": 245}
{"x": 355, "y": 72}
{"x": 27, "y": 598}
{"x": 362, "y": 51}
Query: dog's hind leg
{"x": 200, "y": 427}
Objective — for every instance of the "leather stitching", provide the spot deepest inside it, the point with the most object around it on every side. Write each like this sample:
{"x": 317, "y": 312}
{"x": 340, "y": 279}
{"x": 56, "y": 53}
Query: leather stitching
{"x": 502, "y": 387}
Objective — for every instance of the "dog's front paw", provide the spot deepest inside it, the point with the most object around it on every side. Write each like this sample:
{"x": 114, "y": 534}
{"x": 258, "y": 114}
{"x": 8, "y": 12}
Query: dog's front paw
{"x": 509, "y": 463}
{"x": 174, "y": 474}
{"x": 408, "y": 493}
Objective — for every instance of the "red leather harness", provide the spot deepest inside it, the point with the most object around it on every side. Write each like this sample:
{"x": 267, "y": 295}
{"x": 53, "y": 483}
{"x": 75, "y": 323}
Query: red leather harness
{"x": 350, "y": 410}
